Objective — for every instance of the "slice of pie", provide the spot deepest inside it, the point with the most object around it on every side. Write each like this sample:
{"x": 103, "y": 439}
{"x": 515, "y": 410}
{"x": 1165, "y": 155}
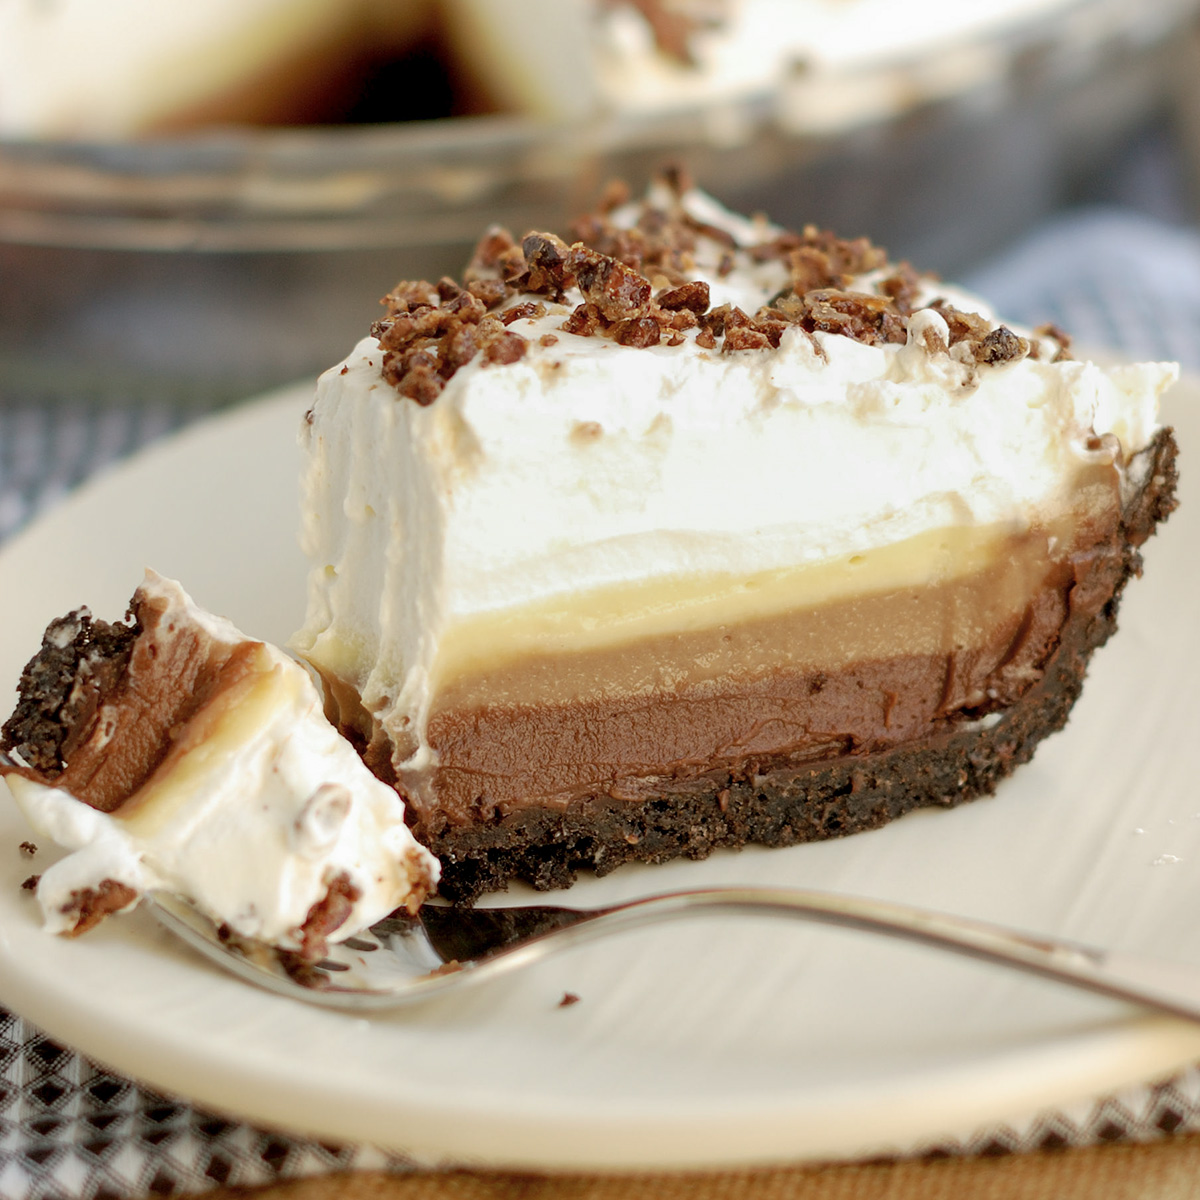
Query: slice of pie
{"x": 173, "y": 752}
{"x": 689, "y": 531}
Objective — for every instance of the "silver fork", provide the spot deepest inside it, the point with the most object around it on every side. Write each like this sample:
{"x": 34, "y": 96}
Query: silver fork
{"x": 404, "y": 960}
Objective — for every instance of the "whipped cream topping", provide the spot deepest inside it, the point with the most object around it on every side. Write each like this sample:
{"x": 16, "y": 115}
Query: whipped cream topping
{"x": 588, "y": 465}
{"x": 260, "y": 811}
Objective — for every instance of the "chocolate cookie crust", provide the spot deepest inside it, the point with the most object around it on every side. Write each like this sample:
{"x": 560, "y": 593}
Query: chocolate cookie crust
{"x": 776, "y": 803}
{"x": 78, "y": 668}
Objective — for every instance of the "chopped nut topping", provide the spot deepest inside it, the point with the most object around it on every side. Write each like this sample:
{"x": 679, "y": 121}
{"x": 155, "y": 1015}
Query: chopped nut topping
{"x": 638, "y": 331}
{"x": 616, "y": 290}
{"x": 530, "y": 310}
{"x": 637, "y": 286}
{"x": 691, "y": 296}
{"x": 1001, "y": 345}
{"x": 546, "y": 262}
{"x": 1060, "y": 336}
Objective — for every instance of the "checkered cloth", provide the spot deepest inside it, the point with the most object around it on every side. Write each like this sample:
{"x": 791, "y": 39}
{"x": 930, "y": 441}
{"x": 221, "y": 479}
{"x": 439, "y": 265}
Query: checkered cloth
{"x": 70, "y": 1130}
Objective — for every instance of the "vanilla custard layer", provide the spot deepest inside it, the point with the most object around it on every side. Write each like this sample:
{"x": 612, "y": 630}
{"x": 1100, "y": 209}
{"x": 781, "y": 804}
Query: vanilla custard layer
{"x": 520, "y": 655}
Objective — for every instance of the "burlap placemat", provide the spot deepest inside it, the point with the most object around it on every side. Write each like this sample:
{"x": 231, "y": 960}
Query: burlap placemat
{"x": 1166, "y": 1171}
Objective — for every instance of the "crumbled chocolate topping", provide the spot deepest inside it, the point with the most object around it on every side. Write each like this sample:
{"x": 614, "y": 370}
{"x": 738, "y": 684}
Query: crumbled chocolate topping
{"x": 637, "y": 286}
{"x": 327, "y": 915}
{"x": 689, "y": 297}
{"x": 545, "y": 263}
{"x": 30, "y": 884}
{"x": 985, "y": 344}
{"x": 1050, "y": 330}
{"x": 520, "y": 312}
{"x": 866, "y": 318}
{"x": 29, "y": 848}
{"x": 79, "y": 665}
{"x": 90, "y": 906}
{"x": 1001, "y": 345}
{"x": 430, "y": 332}
{"x": 617, "y": 291}
{"x": 637, "y": 331}
{"x": 568, "y": 999}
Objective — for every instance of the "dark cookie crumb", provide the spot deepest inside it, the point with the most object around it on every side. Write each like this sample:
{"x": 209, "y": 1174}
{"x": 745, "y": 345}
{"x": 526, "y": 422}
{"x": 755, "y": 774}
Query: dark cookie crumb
{"x": 568, "y": 999}
{"x": 29, "y": 848}
{"x": 30, "y": 884}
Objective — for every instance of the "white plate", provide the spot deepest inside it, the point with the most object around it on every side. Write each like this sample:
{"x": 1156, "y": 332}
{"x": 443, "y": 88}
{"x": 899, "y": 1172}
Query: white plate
{"x": 724, "y": 1042}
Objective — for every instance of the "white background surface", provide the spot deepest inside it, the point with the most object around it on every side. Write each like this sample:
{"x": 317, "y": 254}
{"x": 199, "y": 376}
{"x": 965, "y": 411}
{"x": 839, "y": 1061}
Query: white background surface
{"x": 726, "y": 1041}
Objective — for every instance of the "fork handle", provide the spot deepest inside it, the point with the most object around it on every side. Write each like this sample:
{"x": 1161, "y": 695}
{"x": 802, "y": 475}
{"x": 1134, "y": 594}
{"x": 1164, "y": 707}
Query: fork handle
{"x": 1171, "y": 988}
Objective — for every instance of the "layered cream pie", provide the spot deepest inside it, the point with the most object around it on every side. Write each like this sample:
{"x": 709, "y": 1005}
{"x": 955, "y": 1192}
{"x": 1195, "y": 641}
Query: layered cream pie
{"x": 131, "y": 68}
{"x": 824, "y": 65}
{"x": 172, "y": 752}
{"x": 687, "y": 531}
